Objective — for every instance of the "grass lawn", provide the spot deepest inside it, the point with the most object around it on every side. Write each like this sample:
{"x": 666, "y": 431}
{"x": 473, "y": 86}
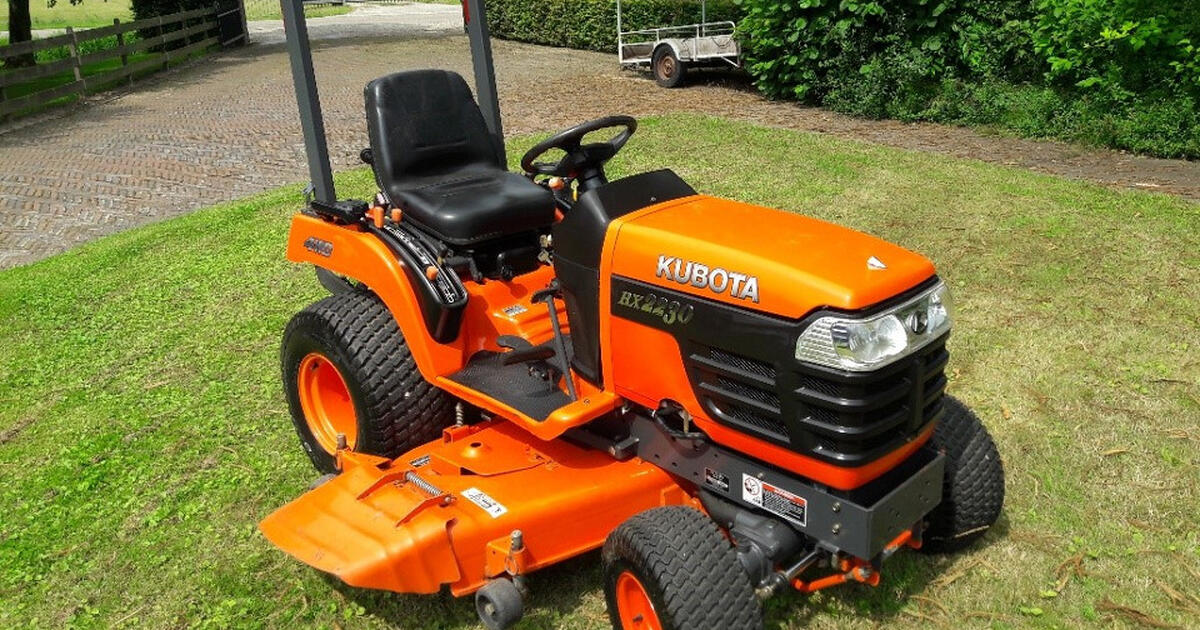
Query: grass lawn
{"x": 143, "y": 430}
{"x": 88, "y": 14}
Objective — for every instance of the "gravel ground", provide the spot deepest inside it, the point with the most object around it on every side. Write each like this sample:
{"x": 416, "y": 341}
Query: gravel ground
{"x": 226, "y": 127}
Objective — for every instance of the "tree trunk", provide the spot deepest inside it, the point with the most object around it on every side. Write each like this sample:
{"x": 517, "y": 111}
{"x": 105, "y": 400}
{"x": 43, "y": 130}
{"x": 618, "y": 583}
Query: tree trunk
{"x": 19, "y": 30}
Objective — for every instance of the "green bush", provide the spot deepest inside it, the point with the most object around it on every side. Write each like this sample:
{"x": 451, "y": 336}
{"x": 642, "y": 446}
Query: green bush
{"x": 1122, "y": 47}
{"x": 1120, "y": 73}
{"x": 805, "y": 49}
{"x": 592, "y": 24}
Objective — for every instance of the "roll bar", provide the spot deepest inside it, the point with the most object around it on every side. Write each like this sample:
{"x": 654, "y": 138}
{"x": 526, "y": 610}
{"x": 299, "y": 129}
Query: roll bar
{"x": 312, "y": 122}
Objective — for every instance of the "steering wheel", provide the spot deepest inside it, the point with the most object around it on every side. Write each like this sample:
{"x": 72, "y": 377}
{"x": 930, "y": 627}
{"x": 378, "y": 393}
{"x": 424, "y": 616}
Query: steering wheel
{"x": 581, "y": 160}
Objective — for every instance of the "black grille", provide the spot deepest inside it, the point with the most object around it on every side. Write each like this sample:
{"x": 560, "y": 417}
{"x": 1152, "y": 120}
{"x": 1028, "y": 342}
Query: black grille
{"x": 842, "y": 417}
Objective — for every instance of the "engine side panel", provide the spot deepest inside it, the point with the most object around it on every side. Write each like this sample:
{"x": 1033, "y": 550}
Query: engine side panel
{"x": 717, "y": 333}
{"x": 650, "y": 368}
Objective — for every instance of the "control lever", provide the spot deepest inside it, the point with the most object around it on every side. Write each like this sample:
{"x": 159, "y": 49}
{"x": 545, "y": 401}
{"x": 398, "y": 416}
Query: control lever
{"x": 547, "y": 295}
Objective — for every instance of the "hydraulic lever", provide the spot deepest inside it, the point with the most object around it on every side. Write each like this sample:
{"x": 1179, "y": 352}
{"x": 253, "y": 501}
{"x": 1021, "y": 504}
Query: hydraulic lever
{"x": 547, "y": 295}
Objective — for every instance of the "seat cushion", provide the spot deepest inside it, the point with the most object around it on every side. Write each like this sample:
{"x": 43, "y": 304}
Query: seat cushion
{"x": 471, "y": 206}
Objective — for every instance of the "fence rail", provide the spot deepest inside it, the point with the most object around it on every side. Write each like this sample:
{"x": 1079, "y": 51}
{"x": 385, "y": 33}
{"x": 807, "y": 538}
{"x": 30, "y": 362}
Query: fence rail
{"x": 198, "y": 29}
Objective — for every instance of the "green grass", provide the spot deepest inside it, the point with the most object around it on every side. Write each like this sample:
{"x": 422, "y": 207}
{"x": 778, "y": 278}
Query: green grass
{"x": 88, "y": 14}
{"x": 143, "y": 430}
{"x": 270, "y": 11}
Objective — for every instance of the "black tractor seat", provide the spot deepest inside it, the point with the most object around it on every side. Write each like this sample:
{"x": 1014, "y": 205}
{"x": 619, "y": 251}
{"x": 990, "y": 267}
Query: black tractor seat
{"x": 434, "y": 159}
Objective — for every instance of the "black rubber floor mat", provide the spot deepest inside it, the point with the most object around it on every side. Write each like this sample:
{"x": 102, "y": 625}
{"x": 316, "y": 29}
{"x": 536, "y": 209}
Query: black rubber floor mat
{"x": 511, "y": 385}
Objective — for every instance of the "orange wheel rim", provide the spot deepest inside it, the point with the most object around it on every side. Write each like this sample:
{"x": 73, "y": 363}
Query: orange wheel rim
{"x": 633, "y": 604}
{"x": 325, "y": 401}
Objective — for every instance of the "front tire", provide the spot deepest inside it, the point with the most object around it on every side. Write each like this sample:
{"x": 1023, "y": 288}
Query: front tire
{"x": 671, "y": 568}
{"x": 348, "y": 371}
{"x": 973, "y": 489}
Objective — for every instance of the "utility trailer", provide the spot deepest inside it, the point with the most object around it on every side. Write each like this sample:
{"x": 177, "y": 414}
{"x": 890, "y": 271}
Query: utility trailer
{"x": 669, "y": 50}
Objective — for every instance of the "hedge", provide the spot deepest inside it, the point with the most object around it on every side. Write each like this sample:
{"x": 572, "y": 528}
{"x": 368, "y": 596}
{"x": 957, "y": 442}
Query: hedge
{"x": 1119, "y": 73}
{"x": 592, "y": 24}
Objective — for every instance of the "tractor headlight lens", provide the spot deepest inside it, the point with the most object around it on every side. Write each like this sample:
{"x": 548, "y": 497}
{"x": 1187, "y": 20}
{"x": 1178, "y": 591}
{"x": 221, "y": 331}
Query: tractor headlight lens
{"x": 860, "y": 344}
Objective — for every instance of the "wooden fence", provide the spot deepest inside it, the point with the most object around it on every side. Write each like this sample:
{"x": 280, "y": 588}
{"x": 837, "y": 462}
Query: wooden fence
{"x": 199, "y": 29}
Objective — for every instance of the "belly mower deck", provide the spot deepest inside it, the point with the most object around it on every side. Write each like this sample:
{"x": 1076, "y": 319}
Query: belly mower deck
{"x": 445, "y": 513}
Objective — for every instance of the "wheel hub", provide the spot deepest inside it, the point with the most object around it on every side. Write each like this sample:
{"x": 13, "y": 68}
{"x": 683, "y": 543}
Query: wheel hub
{"x": 666, "y": 66}
{"x": 326, "y": 403}
{"x": 634, "y": 605}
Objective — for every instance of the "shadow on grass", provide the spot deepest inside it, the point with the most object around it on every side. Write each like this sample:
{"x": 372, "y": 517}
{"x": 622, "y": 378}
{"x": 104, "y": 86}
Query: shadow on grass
{"x": 907, "y": 574}
{"x": 560, "y": 591}
{"x": 724, "y": 77}
{"x": 555, "y": 592}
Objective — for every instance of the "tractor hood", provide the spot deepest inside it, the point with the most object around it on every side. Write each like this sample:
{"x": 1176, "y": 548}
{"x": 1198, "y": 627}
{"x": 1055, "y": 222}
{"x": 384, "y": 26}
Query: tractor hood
{"x": 762, "y": 259}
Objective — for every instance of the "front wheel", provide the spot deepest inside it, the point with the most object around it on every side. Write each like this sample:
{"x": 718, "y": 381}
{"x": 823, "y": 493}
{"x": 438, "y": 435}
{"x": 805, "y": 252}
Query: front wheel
{"x": 671, "y": 568}
{"x": 973, "y": 489}
{"x": 349, "y": 376}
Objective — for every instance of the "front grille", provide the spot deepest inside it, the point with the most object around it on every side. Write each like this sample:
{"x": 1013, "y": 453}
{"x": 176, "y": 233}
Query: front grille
{"x": 841, "y": 417}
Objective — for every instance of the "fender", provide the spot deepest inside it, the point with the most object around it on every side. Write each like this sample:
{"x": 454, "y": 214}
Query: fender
{"x": 351, "y": 252}
{"x": 490, "y": 314}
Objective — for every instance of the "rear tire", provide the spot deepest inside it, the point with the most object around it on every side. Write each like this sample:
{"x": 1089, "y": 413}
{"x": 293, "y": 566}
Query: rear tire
{"x": 973, "y": 489}
{"x": 382, "y": 404}
{"x": 668, "y": 70}
{"x": 673, "y": 566}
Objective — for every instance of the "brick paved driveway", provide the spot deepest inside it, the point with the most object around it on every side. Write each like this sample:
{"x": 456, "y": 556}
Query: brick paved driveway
{"x": 226, "y": 127}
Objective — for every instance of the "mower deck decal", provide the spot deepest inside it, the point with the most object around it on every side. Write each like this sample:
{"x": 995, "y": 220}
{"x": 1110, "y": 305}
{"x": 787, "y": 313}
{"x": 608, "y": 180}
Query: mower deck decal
{"x": 493, "y": 507}
{"x": 775, "y": 500}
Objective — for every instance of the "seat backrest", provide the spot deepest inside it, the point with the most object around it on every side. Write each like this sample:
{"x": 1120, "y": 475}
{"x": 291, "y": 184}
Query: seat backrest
{"x": 425, "y": 123}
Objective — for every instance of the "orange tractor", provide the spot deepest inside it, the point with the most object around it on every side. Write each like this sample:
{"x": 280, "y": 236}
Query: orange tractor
{"x": 513, "y": 370}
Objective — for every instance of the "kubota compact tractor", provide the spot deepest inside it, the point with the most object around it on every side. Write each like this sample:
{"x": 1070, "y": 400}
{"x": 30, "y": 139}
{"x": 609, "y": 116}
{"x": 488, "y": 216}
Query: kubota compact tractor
{"x": 514, "y": 370}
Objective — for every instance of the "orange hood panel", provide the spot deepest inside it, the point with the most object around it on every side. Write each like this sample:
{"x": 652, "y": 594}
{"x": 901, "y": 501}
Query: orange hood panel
{"x": 767, "y": 260}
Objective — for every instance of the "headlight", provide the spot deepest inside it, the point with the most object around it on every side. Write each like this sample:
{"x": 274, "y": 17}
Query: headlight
{"x": 859, "y": 344}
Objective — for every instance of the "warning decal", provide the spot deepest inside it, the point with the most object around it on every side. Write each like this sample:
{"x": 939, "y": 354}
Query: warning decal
{"x": 489, "y": 505}
{"x": 774, "y": 499}
{"x": 716, "y": 479}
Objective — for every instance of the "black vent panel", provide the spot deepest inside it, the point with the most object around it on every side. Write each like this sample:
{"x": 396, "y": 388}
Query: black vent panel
{"x": 846, "y": 418}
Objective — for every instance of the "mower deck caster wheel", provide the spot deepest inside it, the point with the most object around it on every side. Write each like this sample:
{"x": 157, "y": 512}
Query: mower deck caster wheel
{"x": 499, "y": 604}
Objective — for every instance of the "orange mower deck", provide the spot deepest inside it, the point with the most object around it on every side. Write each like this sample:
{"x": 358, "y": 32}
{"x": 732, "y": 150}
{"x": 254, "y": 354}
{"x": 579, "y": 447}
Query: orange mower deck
{"x": 375, "y": 526}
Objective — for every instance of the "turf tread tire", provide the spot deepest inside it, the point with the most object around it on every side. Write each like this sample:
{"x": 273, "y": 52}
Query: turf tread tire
{"x": 396, "y": 408}
{"x": 973, "y": 488}
{"x": 688, "y": 568}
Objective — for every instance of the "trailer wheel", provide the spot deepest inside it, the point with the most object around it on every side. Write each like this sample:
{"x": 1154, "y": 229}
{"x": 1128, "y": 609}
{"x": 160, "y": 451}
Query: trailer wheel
{"x": 668, "y": 69}
{"x": 671, "y": 568}
{"x": 973, "y": 490}
{"x": 348, "y": 371}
